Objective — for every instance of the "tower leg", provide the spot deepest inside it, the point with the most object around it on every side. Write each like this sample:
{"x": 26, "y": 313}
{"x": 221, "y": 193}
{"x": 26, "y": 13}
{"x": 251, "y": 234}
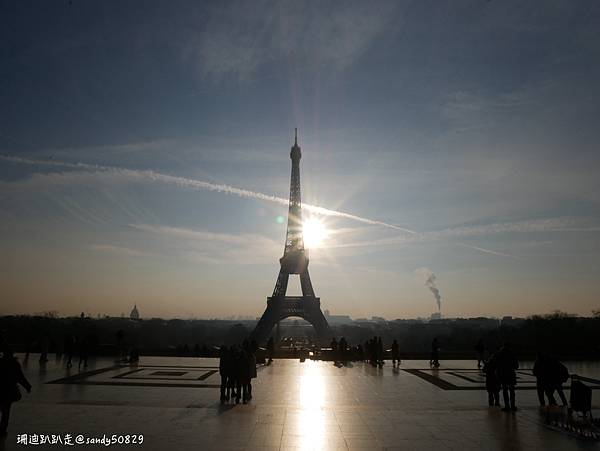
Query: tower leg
{"x": 281, "y": 284}
{"x": 306, "y": 285}
{"x": 319, "y": 322}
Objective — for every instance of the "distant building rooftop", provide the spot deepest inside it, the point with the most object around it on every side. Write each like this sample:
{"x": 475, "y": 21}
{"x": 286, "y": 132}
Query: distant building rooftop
{"x": 337, "y": 319}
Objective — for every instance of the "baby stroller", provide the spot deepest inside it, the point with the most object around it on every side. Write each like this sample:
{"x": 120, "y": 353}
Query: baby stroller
{"x": 581, "y": 397}
{"x": 582, "y": 424}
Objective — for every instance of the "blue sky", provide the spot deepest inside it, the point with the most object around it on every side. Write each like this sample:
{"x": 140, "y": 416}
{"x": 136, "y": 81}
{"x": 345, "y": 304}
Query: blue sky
{"x": 473, "y": 124}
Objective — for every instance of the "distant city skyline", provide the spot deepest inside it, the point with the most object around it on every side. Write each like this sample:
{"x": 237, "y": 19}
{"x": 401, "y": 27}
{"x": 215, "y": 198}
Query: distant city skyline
{"x": 144, "y": 156}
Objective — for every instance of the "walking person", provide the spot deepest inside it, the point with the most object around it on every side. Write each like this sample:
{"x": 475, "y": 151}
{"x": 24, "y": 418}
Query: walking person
{"x": 334, "y": 349}
{"x": 44, "y": 346}
{"x": 542, "y": 377}
{"x": 550, "y": 376}
{"x": 120, "y": 337}
{"x": 395, "y": 353}
{"x": 251, "y": 371}
{"x": 380, "y": 361}
{"x": 507, "y": 366}
{"x": 69, "y": 349}
{"x": 343, "y": 346}
{"x": 11, "y": 376}
{"x": 373, "y": 351}
{"x": 84, "y": 345}
{"x": 435, "y": 353}
{"x": 270, "y": 350}
{"x": 559, "y": 374}
{"x": 134, "y": 355}
{"x": 480, "y": 351}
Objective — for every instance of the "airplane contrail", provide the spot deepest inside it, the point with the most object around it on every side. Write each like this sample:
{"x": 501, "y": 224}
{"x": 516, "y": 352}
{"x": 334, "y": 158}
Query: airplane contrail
{"x": 201, "y": 185}
{"x": 486, "y": 251}
{"x": 228, "y": 189}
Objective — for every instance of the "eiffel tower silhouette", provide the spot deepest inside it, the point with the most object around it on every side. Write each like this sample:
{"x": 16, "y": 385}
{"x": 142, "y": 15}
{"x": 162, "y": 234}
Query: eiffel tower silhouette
{"x": 294, "y": 261}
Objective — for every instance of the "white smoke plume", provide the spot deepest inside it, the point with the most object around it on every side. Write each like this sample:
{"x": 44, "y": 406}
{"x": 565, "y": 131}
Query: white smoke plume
{"x": 429, "y": 277}
{"x": 198, "y": 185}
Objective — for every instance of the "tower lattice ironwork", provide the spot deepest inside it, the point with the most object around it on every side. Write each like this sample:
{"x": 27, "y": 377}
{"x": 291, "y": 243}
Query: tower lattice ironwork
{"x": 294, "y": 261}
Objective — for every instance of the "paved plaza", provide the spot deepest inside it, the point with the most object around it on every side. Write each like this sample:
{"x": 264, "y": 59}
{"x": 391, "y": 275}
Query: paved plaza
{"x": 174, "y": 404}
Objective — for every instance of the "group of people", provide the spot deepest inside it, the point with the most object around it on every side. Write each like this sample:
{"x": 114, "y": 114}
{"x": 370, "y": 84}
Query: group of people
{"x": 340, "y": 350}
{"x": 501, "y": 374}
{"x": 82, "y": 347}
{"x": 70, "y": 347}
{"x": 237, "y": 368}
{"x": 374, "y": 352}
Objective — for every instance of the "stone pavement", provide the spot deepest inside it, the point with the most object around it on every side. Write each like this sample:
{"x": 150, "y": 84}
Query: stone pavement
{"x": 174, "y": 403}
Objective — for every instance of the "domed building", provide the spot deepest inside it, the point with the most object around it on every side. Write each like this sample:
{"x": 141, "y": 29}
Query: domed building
{"x": 134, "y": 313}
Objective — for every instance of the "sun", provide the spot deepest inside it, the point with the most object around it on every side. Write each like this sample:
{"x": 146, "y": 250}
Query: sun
{"x": 315, "y": 233}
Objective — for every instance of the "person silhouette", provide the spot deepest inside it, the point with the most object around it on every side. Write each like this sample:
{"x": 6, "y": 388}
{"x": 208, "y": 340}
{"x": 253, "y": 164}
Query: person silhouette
{"x": 541, "y": 373}
{"x": 134, "y": 355}
{"x": 229, "y": 372}
{"x": 334, "y": 349}
{"x": 550, "y": 376}
{"x": 559, "y": 374}
{"x": 395, "y": 353}
{"x": 120, "y": 336}
{"x": 480, "y": 350}
{"x": 507, "y": 364}
{"x": 44, "y": 346}
{"x": 242, "y": 375}
{"x": 380, "y": 361}
{"x": 435, "y": 353}
{"x": 84, "y": 345}
{"x": 270, "y": 350}
{"x": 11, "y": 376}
{"x": 69, "y": 349}
{"x": 224, "y": 371}
{"x": 492, "y": 383}
{"x": 373, "y": 351}
{"x": 251, "y": 371}
{"x": 343, "y": 347}
{"x": 235, "y": 374}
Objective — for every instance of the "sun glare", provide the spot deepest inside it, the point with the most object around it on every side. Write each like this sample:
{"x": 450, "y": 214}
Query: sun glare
{"x": 314, "y": 232}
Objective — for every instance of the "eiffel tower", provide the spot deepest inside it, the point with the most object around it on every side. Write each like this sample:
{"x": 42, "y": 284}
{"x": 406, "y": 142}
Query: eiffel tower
{"x": 294, "y": 261}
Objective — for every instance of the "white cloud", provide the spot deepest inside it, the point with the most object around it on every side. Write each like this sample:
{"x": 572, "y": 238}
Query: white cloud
{"x": 240, "y": 37}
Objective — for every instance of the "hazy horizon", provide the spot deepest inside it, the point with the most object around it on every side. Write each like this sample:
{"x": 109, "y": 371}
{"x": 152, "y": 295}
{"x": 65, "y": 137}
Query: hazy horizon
{"x": 144, "y": 155}
{"x": 292, "y": 319}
